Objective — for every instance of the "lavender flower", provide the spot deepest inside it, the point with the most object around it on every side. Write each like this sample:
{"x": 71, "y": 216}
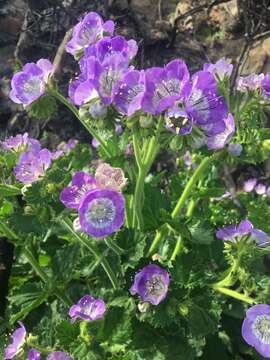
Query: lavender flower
{"x": 231, "y": 232}
{"x": 164, "y": 86}
{"x": 250, "y": 82}
{"x": 108, "y": 177}
{"x": 235, "y": 149}
{"x": 33, "y": 354}
{"x": 268, "y": 191}
{"x": 260, "y": 237}
{"x": 88, "y": 31}
{"x": 129, "y": 92}
{"x": 88, "y": 308}
{"x": 187, "y": 158}
{"x": 95, "y": 143}
{"x": 29, "y": 84}
{"x": 32, "y": 165}
{"x": 260, "y": 189}
{"x": 151, "y": 284}
{"x": 18, "y": 340}
{"x": 265, "y": 84}
{"x": 82, "y": 90}
{"x": 222, "y": 68}
{"x": 59, "y": 355}
{"x": 102, "y": 212}
{"x": 219, "y": 140}
{"x": 256, "y": 328}
{"x": 72, "y": 195}
{"x": 21, "y": 143}
{"x": 249, "y": 185}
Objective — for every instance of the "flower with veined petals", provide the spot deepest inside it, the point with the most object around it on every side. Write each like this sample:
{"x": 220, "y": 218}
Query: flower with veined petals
{"x": 108, "y": 177}
{"x": 221, "y": 68}
{"x": 32, "y": 165}
{"x": 18, "y": 340}
{"x": 33, "y": 354}
{"x": 129, "y": 92}
{"x": 82, "y": 90}
{"x": 21, "y": 143}
{"x": 151, "y": 284}
{"x": 164, "y": 86}
{"x": 219, "y": 140}
{"x": 250, "y": 82}
{"x": 102, "y": 212}
{"x": 88, "y": 31}
{"x": 72, "y": 195}
{"x": 59, "y": 355}
{"x": 29, "y": 84}
{"x": 88, "y": 308}
{"x": 256, "y": 328}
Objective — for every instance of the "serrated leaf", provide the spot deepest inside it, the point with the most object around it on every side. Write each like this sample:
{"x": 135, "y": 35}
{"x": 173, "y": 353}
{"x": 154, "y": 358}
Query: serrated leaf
{"x": 201, "y": 234}
{"x": 9, "y": 190}
{"x": 43, "y": 108}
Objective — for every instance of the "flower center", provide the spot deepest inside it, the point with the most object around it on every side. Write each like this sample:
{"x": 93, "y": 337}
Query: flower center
{"x": 261, "y": 328}
{"x": 155, "y": 286}
{"x": 101, "y": 213}
{"x": 32, "y": 86}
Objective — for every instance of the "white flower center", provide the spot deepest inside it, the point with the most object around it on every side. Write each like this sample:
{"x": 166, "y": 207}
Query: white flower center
{"x": 101, "y": 213}
{"x": 261, "y": 328}
{"x": 155, "y": 286}
{"x": 32, "y": 86}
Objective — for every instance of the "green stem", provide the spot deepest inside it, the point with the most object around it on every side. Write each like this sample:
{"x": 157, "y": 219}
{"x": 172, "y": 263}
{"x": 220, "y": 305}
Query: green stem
{"x": 235, "y": 295}
{"x": 113, "y": 246}
{"x": 85, "y": 242}
{"x": 159, "y": 235}
{"x": 199, "y": 172}
{"x": 178, "y": 247}
{"x": 89, "y": 128}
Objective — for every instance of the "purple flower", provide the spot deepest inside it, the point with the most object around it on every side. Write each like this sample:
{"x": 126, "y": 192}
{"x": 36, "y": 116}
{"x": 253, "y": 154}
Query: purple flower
{"x": 107, "y": 47}
{"x": 256, "y": 328}
{"x": 82, "y": 90}
{"x": 268, "y": 191}
{"x": 21, "y": 143}
{"x": 260, "y": 237}
{"x": 187, "y": 158}
{"x": 129, "y": 92}
{"x": 231, "y": 232}
{"x": 265, "y": 84}
{"x": 164, "y": 86}
{"x": 219, "y": 140}
{"x": 151, "y": 284}
{"x": 29, "y": 84}
{"x": 102, "y": 212}
{"x": 222, "y": 68}
{"x": 32, "y": 165}
{"x": 249, "y": 185}
{"x": 204, "y": 104}
{"x": 235, "y": 149}
{"x": 250, "y": 82}
{"x": 88, "y": 31}
{"x": 98, "y": 110}
{"x": 260, "y": 189}
{"x": 95, "y": 143}
{"x": 88, "y": 308}
{"x": 33, "y": 354}
{"x": 18, "y": 340}
{"x": 59, "y": 355}
{"x": 72, "y": 195}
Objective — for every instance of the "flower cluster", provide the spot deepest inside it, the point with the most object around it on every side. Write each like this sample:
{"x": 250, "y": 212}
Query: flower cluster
{"x": 245, "y": 228}
{"x": 253, "y": 184}
{"x": 99, "y": 202}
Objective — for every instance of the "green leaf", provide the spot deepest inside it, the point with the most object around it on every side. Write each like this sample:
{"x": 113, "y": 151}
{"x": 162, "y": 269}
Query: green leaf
{"x": 201, "y": 233}
{"x": 9, "y": 190}
{"x": 64, "y": 262}
{"x": 43, "y": 108}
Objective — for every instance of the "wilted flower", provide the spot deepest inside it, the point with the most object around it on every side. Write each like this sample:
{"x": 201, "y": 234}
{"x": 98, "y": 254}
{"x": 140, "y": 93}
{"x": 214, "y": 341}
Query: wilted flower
{"x": 59, "y": 355}
{"x": 151, "y": 284}
{"x": 260, "y": 189}
{"x": 88, "y": 308}
{"x": 129, "y": 92}
{"x": 234, "y": 232}
{"x": 88, "y": 31}
{"x": 249, "y": 185}
{"x": 18, "y": 340}
{"x": 32, "y": 165}
{"x": 21, "y": 143}
{"x": 33, "y": 354}
{"x": 102, "y": 212}
{"x": 164, "y": 86}
{"x": 219, "y": 140}
{"x": 72, "y": 195}
{"x": 256, "y": 328}
{"x": 29, "y": 84}
{"x": 221, "y": 68}
{"x": 64, "y": 148}
{"x": 250, "y": 82}
{"x": 235, "y": 149}
{"x": 108, "y": 177}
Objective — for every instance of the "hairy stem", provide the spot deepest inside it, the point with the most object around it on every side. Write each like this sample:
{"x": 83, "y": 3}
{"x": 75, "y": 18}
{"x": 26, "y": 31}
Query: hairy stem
{"x": 235, "y": 294}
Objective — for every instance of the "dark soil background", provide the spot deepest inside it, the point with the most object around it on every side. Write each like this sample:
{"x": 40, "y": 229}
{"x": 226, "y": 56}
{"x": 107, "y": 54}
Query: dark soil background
{"x": 198, "y": 31}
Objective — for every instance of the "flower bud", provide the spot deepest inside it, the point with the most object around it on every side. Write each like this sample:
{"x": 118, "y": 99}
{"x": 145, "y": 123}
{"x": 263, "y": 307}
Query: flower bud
{"x": 235, "y": 149}
{"x": 77, "y": 225}
{"x": 146, "y": 121}
{"x": 98, "y": 110}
